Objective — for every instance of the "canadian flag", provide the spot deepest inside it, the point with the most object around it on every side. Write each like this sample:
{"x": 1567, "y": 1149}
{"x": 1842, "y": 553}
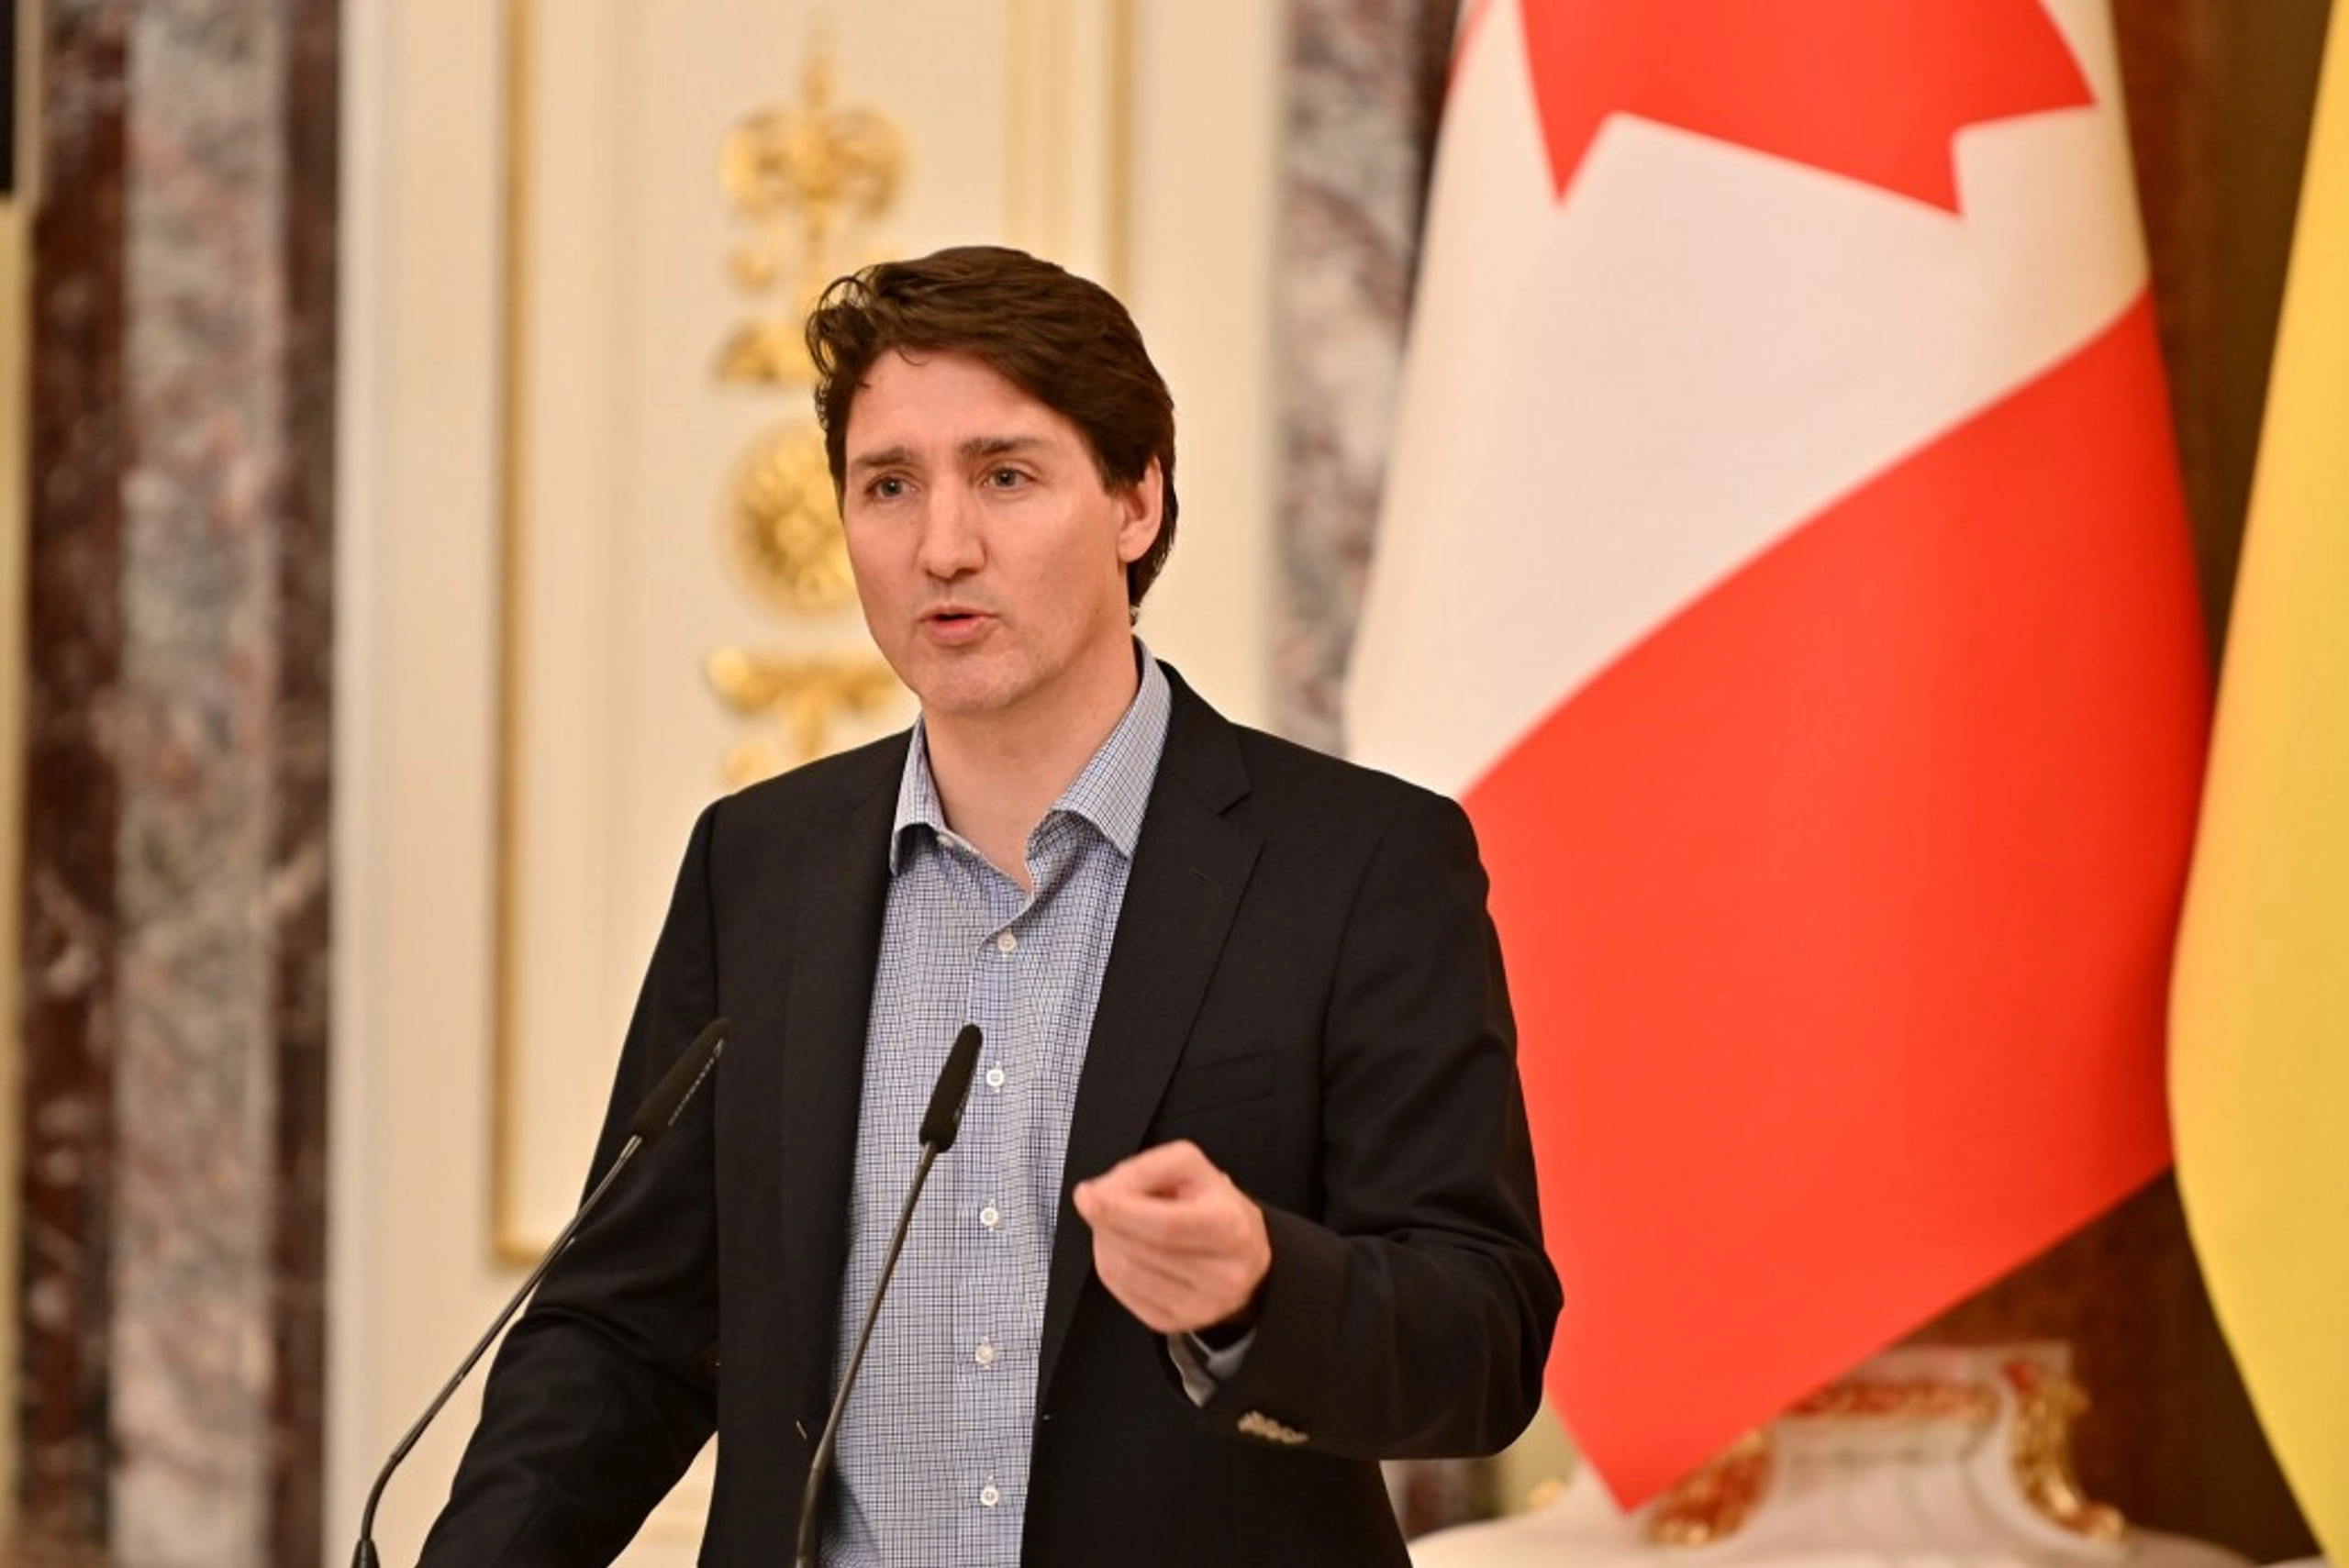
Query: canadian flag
{"x": 1783, "y": 556}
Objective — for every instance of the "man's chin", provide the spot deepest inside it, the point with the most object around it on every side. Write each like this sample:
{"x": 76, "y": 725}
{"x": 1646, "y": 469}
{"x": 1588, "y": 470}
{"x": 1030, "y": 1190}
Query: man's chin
{"x": 963, "y": 692}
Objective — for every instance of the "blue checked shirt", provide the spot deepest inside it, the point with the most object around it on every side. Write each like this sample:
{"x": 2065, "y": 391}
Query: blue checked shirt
{"x": 932, "y": 1456}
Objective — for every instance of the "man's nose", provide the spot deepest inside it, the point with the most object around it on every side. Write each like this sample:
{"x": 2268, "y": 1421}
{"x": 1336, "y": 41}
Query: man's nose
{"x": 951, "y": 544}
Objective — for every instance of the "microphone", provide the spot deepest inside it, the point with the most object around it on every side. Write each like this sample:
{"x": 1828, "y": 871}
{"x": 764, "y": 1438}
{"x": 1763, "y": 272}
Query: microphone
{"x": 651, "y": 1122}
{"x": 940, "y": 1124}
{"x": 943, "y": 1120}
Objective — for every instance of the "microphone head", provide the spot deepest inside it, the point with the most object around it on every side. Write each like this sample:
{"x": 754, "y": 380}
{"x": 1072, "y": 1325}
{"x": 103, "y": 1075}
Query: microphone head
{"x": 662, "y": 1107}
{"x": 944, "y": 1118}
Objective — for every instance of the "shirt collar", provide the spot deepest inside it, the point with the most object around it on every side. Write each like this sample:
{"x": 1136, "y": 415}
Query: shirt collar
{"x": 1111, "y": 791}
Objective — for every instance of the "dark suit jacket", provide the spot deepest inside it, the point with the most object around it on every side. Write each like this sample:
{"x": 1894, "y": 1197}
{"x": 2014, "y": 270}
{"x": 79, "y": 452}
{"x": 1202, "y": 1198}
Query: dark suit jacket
{"x": 1303, "y": 982}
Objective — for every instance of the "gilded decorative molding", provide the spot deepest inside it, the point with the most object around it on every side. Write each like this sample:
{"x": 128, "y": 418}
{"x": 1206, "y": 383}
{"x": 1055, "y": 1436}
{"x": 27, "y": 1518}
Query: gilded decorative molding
{"x": 1714, "y": 1501}
{"x": 804, "y": 174}
{"x": 783, "y": 526}
{"x": 510, "y": 1242}
{"x": 812, "y": 178}
{"x": 803, "y": 696}
{"x": 2047, "y": 1401}
{"x": 2025, "y": 1402}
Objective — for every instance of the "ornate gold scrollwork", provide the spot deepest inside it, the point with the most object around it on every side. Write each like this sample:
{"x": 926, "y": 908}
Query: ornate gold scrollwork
{"x": 805, "y": 174}
{"x": 1712, "y": 1502}
{"x": 784, "y": 533}
{"x": 1953, "y": 1409}
{"x": 805, "y": 696}
{"x": 2047, "y": 1402}
{"x": 810, "y": 176}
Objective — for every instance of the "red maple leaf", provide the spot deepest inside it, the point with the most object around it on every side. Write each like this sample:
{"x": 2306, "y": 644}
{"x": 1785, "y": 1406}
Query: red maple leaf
{"x": 1876, "y": 90}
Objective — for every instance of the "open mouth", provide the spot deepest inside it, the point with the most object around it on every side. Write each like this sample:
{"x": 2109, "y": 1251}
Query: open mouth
{"x": 954, "y": 623}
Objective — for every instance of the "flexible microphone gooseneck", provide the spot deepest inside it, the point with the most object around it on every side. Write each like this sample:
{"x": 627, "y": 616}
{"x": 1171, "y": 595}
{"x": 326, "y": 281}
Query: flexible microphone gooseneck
{"x": 940, "y": 1123}
{"x": 653, "y": 1118}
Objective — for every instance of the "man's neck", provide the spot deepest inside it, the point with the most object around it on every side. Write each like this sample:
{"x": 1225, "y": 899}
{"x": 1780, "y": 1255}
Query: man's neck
{"x": 998, "y": 773}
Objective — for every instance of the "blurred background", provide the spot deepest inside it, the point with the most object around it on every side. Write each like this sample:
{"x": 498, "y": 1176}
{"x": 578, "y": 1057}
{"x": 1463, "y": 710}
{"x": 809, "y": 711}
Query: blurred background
{"x": 407, "y": 521}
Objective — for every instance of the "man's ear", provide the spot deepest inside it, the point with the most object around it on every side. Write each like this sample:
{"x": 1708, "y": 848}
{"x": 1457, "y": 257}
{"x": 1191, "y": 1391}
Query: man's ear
{"x": 1144, "y": 503}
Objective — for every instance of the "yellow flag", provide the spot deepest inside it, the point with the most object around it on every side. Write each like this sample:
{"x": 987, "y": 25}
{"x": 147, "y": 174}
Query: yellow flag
{"x": 2259, "y": 1065}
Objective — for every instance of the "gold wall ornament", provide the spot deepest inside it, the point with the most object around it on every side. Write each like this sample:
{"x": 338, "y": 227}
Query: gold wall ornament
{"x": 1910, "y": 1400}
{"x": 1714, "y": 1501}
{"x": 783, "y": 529}
{"x": 2048, "y": 1400}
{"x": 806, "y": 174}
{"x": 811, "y": 178}
{"x": 805, "y": 696}
{"x": 2011, "y": 1406}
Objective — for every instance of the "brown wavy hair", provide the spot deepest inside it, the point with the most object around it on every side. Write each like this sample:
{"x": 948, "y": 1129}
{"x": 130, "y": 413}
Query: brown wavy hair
{"x": 1063, "y": 340}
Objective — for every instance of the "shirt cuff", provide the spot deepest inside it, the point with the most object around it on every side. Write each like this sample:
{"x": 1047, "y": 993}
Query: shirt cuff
{"x": 1203, "y": 1368}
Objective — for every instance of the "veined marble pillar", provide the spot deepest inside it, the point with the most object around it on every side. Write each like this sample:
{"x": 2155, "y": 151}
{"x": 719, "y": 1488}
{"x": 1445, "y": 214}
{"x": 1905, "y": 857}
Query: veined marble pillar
{"x": 1364, "y": 85}
{"x": 176, "y": 758}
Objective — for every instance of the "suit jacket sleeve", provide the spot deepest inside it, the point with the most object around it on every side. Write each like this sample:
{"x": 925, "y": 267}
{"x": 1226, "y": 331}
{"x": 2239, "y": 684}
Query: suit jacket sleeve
{"x": 605, "y": 1388}
{"x": 1409, "y": 1312}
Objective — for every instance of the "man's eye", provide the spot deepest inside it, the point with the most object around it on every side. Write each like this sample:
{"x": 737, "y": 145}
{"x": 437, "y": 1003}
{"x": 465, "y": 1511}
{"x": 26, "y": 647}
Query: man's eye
{"x": 888, "y": 487}
{"x": 1006, "y": 478}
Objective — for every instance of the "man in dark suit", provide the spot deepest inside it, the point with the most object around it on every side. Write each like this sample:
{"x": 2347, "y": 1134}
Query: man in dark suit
{"x": 1243, "y": 1201}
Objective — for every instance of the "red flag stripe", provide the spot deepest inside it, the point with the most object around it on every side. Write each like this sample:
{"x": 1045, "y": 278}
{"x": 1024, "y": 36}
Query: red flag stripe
{"x": 1859, "y": 876}
{"x": 1896, "y": 83}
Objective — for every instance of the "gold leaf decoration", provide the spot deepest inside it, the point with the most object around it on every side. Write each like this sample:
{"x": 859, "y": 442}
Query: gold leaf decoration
{"x": 809, "y": 179}
{"x": 805, "y": 696}
{"x": 784, "y": 527}
{"x": 805, "y": 174}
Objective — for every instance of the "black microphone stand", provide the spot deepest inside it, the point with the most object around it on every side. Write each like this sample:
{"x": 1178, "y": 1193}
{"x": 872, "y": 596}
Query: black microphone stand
{"x": 655, "y": 1117}
{"x": 940, "y": 1123}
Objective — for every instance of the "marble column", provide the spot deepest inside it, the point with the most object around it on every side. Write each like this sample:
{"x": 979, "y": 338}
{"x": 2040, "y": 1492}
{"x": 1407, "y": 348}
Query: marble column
{"x": 1364, "y": 85}
{"x": 177, "y": 775}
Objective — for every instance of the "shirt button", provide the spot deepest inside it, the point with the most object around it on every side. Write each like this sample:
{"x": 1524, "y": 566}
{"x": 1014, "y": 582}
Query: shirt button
{"x": 990, "y": 1216}
{"x": 1007, "y": 943}
{"x": 995, "y": 1077}
{"x": 989, "y": 1497}
{"x": 984, "y": 1354}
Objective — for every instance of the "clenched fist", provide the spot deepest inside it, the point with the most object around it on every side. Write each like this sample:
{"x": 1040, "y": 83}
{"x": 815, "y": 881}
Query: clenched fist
{"x": 1174, "y": 1238}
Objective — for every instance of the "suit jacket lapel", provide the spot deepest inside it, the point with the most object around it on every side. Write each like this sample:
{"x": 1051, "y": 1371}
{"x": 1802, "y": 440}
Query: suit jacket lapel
{"x": 842, "y": 896}
{"x": 1190, "y": 868}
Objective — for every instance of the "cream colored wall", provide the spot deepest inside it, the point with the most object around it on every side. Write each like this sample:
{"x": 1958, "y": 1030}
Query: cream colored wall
{"x": 409, "y": 1278}
{"x": 413, "y": 1279}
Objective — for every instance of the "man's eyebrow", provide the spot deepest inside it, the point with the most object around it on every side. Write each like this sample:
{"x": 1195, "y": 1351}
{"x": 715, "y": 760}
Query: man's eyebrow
{"x": 886, "y": 457}
{"x": 974, "y": 450}
{"x": 999, "y": 446}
